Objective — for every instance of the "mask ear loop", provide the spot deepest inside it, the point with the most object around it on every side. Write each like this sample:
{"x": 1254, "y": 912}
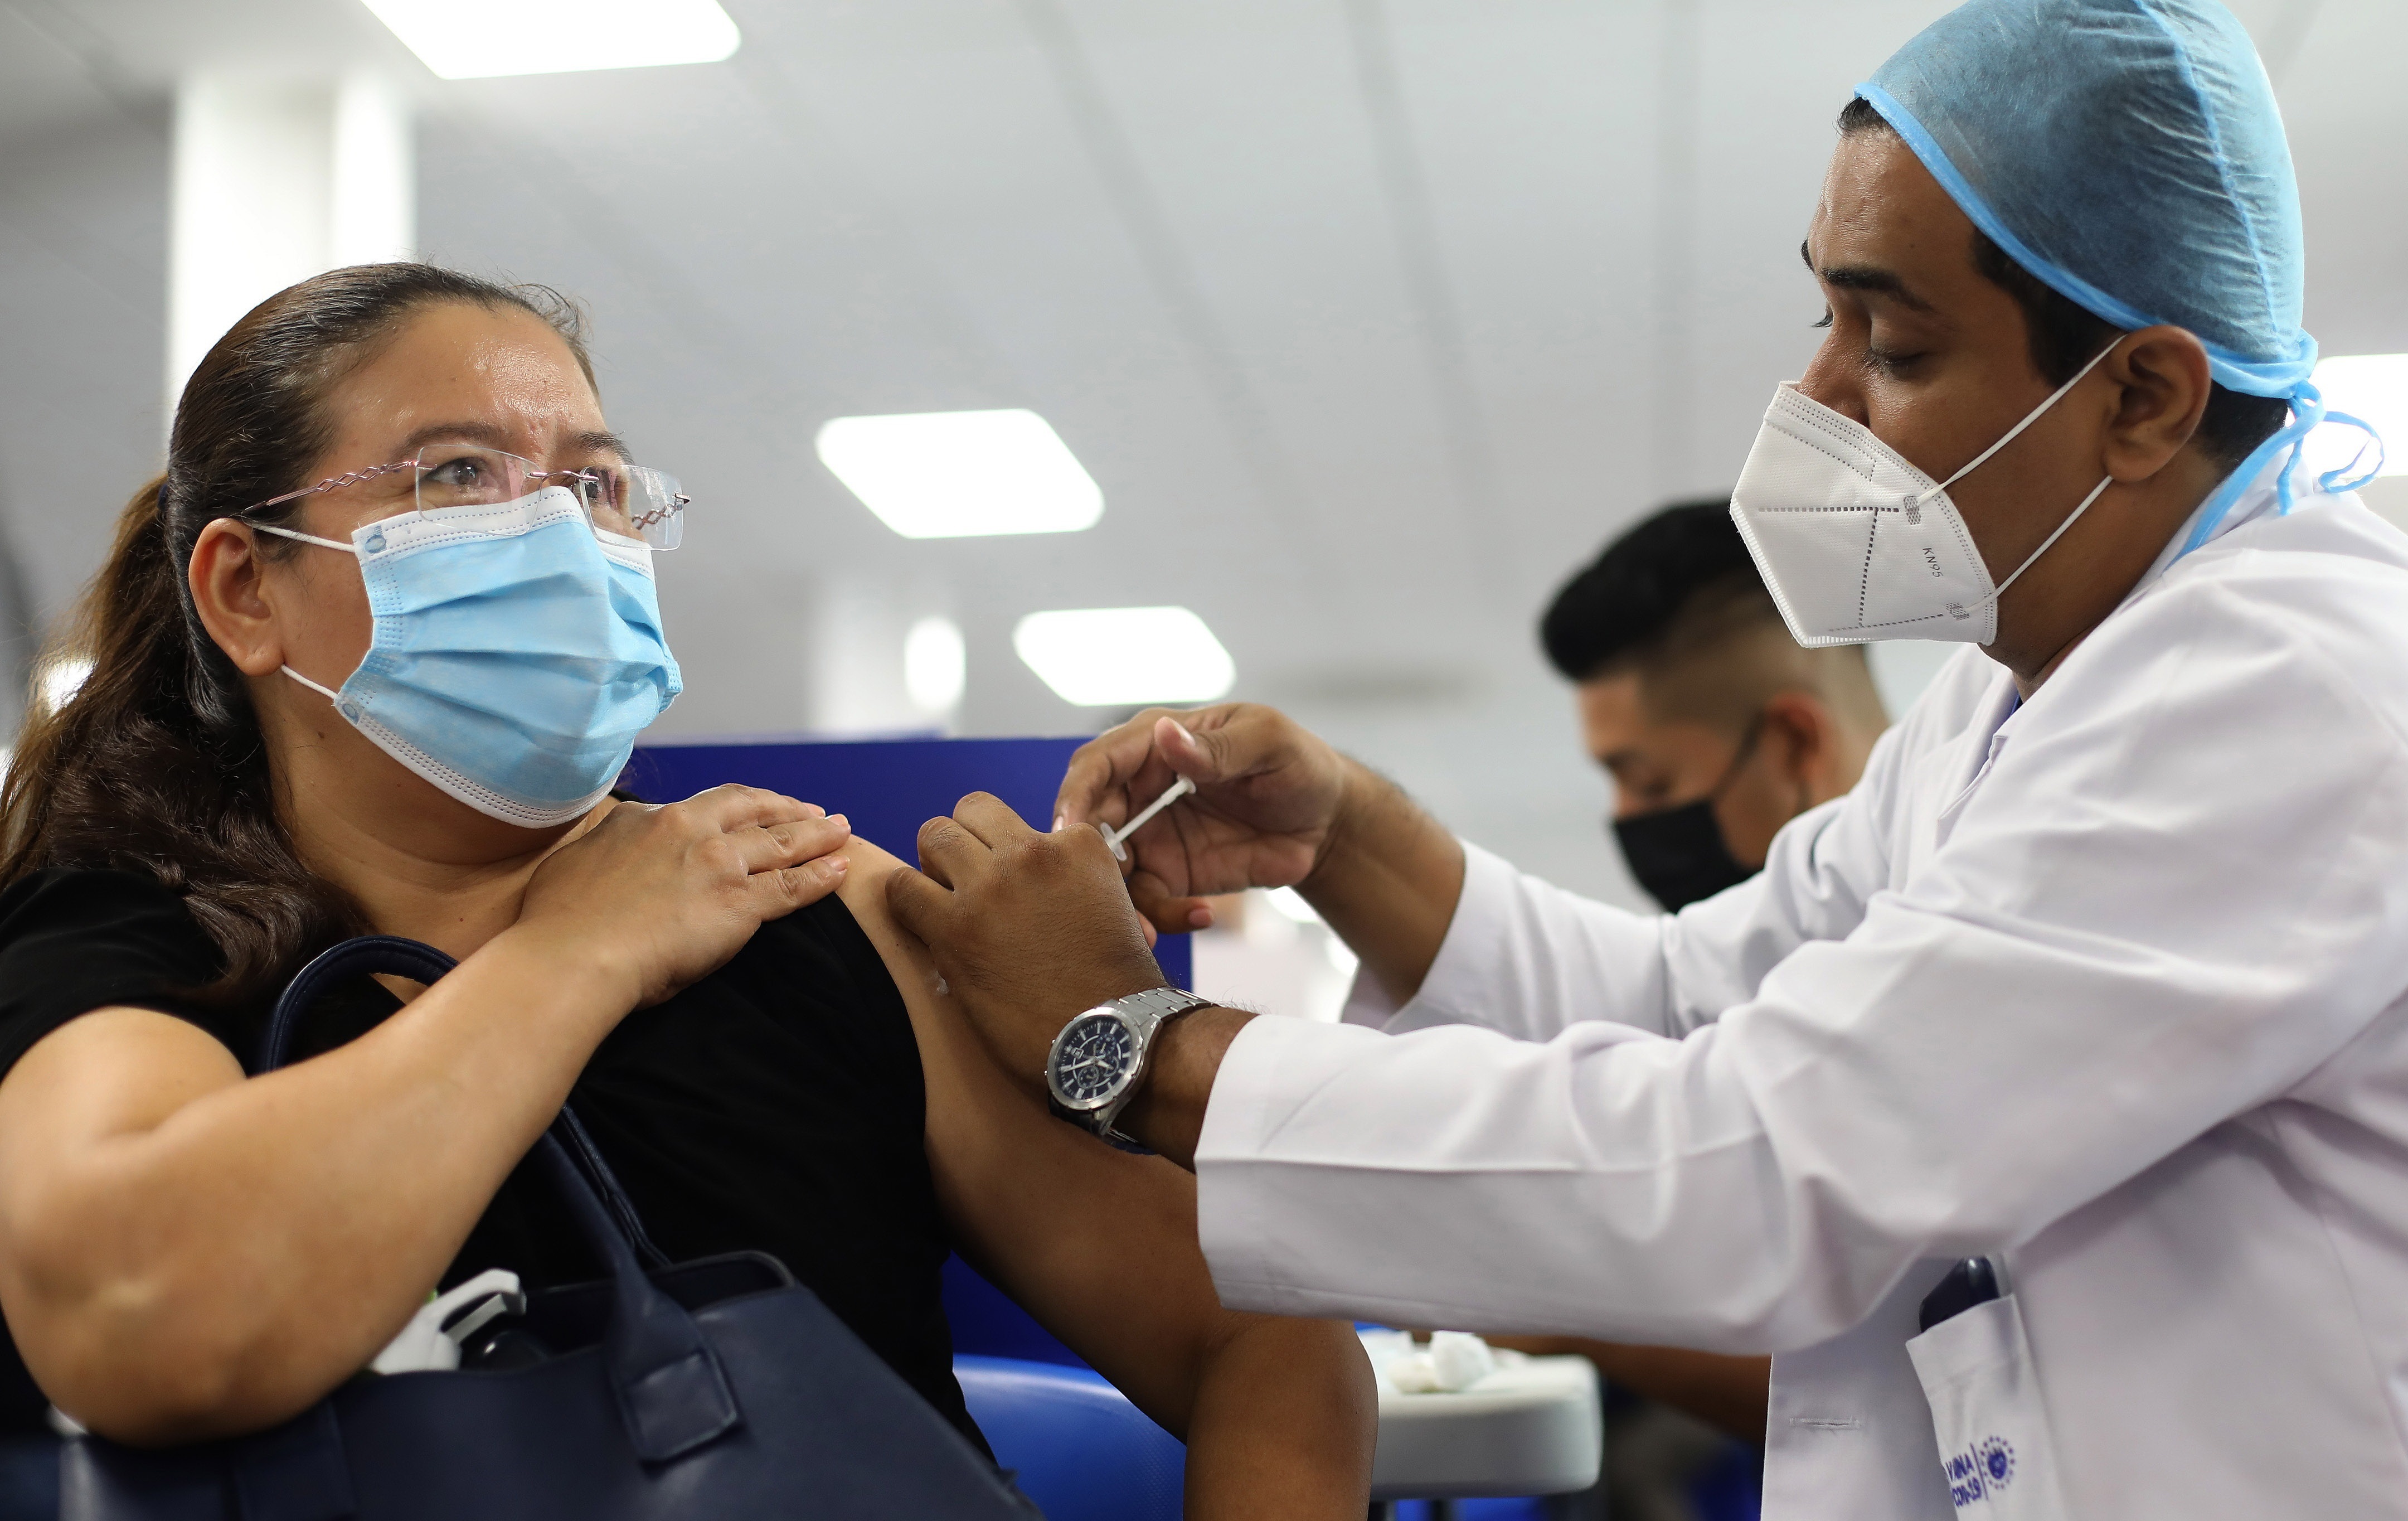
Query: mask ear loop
{"x": 2072, "y": 518}
{"x": 330, "y": 694}
{"x": 2012, "y": 434}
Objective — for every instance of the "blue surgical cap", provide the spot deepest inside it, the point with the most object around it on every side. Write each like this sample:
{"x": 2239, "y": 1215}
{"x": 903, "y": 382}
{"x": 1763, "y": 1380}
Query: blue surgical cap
{"x": 2130, "y": 154}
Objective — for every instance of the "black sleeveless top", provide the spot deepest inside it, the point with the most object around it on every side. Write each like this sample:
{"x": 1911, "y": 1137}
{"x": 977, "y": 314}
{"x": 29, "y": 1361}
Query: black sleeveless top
{"x": 777, "y": 1106}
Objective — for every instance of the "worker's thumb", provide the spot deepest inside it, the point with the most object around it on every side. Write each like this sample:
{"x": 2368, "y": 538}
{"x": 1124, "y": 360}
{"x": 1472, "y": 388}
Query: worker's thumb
{"x": 917, "y": 904}
{"x": 1199, "y": 757}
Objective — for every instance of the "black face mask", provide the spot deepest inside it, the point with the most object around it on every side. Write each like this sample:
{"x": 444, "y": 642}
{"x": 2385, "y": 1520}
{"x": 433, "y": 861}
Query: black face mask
{"x": 1678, "y": 853}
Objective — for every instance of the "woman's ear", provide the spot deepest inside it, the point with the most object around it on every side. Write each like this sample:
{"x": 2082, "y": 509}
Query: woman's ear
{"x": 228, "y": 592}
{"x": 2162, "y": 386}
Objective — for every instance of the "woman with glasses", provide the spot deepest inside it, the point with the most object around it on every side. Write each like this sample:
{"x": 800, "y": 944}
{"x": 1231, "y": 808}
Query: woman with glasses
{"x": 367, "y": 658}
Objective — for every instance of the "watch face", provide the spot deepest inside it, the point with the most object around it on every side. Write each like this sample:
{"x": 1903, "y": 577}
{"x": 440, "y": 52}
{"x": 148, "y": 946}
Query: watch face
{"x": 1093, "y": 1060}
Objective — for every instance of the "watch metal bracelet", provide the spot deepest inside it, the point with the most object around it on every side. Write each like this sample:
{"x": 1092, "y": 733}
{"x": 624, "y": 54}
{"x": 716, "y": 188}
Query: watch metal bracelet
{"x": 1145, "y": 1013}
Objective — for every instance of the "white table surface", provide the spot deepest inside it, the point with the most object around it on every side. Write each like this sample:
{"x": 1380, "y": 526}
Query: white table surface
{"x": 1531, "y": 1428}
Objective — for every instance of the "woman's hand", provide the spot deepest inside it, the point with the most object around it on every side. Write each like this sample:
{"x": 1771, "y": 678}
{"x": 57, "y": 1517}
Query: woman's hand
{"x": 1269, "y": 795}
{"x": 663, "y": 896}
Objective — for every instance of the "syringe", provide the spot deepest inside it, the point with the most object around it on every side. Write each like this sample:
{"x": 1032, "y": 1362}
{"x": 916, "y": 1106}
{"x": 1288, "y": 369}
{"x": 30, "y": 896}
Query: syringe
{"x": 1177, "y": 790}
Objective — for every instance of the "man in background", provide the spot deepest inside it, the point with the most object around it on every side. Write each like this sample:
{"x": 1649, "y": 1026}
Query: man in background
{"x": 1715, "y": 725}
{"x": 1717, "y": 729}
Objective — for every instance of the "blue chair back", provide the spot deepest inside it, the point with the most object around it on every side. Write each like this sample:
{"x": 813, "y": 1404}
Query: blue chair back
{"x": 887, "y": 787}
{"x": 1075, "y": 1443}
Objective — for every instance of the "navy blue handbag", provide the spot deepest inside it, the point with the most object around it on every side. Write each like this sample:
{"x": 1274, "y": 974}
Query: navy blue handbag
{"x": 719, "y": 1388}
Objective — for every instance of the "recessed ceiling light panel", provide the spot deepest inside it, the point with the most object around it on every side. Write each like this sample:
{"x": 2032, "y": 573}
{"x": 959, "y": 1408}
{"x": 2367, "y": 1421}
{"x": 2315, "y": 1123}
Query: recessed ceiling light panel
{"x": 950, "y": 475}
{"x": 1102, "y": 657}
{"x": 482, "y": 40}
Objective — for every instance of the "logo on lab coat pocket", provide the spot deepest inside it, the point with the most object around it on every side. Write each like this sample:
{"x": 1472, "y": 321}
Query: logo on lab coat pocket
{"x": 1980, "y": 1470}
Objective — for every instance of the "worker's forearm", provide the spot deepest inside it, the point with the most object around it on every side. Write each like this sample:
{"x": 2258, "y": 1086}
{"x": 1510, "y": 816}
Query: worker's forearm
{"x": 220, "y": 1269}
{"x": 1283, "y": 1425}
{"x": 1388, "y": 881}
{"x": 1167, "y": 1115}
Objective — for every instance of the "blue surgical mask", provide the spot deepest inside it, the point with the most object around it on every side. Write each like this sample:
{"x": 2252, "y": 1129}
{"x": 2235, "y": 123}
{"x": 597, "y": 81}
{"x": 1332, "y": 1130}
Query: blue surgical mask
{"x": 517, "y": 653}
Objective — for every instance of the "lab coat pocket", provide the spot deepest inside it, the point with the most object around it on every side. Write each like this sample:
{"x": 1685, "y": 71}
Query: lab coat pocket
{"x": 1986, "y": 1409}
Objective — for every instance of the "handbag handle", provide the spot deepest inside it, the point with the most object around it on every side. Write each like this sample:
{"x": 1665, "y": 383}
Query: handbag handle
{"x": 671, "y": 1392}
{"x": 400, "y": 957}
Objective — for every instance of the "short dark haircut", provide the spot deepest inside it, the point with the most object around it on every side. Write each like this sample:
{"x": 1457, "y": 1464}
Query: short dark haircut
{"x": 2064, "y": 336}
{"x": 1624, "y": 604}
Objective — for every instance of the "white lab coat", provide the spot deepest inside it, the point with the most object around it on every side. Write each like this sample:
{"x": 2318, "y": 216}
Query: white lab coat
{"x": 2110, "y": 983}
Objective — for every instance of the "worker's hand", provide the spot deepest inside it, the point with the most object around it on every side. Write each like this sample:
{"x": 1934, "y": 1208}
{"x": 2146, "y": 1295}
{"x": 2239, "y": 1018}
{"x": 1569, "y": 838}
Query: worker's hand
{"x": 1028, "y": 928}
{"x": 1270, "y": 795}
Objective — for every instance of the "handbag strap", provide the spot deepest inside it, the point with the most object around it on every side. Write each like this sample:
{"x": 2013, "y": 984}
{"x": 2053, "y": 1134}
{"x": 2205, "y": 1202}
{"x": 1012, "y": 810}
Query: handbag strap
{"x": 671, "y": 1392}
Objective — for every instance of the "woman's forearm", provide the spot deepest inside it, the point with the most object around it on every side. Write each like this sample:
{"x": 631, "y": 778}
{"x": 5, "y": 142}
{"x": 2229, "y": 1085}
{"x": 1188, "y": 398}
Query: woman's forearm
{"x": 1284, "y": 1419}
{"x": 201, "y": 1253}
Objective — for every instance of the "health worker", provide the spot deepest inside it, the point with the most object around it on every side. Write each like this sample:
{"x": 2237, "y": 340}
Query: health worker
{"x": 2042, "y": 1105}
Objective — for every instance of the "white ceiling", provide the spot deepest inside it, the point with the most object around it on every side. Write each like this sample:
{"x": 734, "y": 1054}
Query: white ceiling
{"x": 1371, "y": 316}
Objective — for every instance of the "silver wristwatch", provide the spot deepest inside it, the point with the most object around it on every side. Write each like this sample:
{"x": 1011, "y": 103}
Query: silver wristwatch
{"x": 1100, "y": 1056}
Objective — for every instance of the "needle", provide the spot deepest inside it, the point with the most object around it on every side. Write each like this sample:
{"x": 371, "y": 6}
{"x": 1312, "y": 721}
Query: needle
{"x": 1177, "y": 790}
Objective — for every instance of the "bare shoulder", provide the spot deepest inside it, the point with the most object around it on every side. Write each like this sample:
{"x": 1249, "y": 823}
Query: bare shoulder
{"x": 864, "y": 889}
{"x": 864, "y": 892}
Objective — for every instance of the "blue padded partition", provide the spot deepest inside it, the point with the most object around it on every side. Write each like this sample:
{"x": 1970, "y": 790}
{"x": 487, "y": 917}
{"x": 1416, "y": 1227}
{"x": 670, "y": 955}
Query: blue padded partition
{"x": 1075, "y": 1443}
{"x": 887, "y": 787}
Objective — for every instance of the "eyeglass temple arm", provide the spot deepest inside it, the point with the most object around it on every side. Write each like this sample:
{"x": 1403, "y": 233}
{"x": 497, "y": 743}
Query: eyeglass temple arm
{"x": 335, "y": 482}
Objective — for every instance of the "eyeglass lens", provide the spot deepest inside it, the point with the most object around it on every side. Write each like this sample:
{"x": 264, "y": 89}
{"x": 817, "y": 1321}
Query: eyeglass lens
{"x": 629, "y": 500}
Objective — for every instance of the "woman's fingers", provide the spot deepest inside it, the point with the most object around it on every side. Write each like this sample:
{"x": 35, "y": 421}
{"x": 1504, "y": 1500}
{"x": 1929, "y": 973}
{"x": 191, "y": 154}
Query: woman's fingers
{"x": 779, "y": 891}
{"x": 790, "y": 842}
{"x": 733, "y": 806}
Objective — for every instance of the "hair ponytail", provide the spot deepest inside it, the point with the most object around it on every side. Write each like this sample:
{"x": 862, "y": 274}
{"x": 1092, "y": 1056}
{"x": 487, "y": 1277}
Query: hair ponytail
{"x": 154, "y": 765}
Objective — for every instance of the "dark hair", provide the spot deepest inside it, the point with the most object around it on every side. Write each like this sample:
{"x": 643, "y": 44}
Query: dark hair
{"x": 1626, "y": 602}
{"x": 2063, "y": 335}
{"x": 155, "y": 765}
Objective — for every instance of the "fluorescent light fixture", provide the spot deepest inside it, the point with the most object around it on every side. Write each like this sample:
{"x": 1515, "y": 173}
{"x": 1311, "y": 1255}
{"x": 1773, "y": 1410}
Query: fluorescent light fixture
{"x": 482, "y": 40}
{"x": 1102, "y": 657}
{"x": 950, "y": 475}
{"x": 936, "y": 664}
{"x": 2375, "y": 389}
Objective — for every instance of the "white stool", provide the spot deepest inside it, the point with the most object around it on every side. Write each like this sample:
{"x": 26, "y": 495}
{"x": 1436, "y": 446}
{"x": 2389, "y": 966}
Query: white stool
{"x": 1531, "y": 1428}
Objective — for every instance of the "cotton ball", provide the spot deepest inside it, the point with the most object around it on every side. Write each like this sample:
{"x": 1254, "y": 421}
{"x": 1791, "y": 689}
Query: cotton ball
{"x": 1460, "y": 1360}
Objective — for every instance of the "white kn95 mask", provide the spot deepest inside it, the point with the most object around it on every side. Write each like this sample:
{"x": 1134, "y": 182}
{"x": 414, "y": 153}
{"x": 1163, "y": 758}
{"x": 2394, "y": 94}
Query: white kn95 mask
{"x": 1855, "y": 544}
